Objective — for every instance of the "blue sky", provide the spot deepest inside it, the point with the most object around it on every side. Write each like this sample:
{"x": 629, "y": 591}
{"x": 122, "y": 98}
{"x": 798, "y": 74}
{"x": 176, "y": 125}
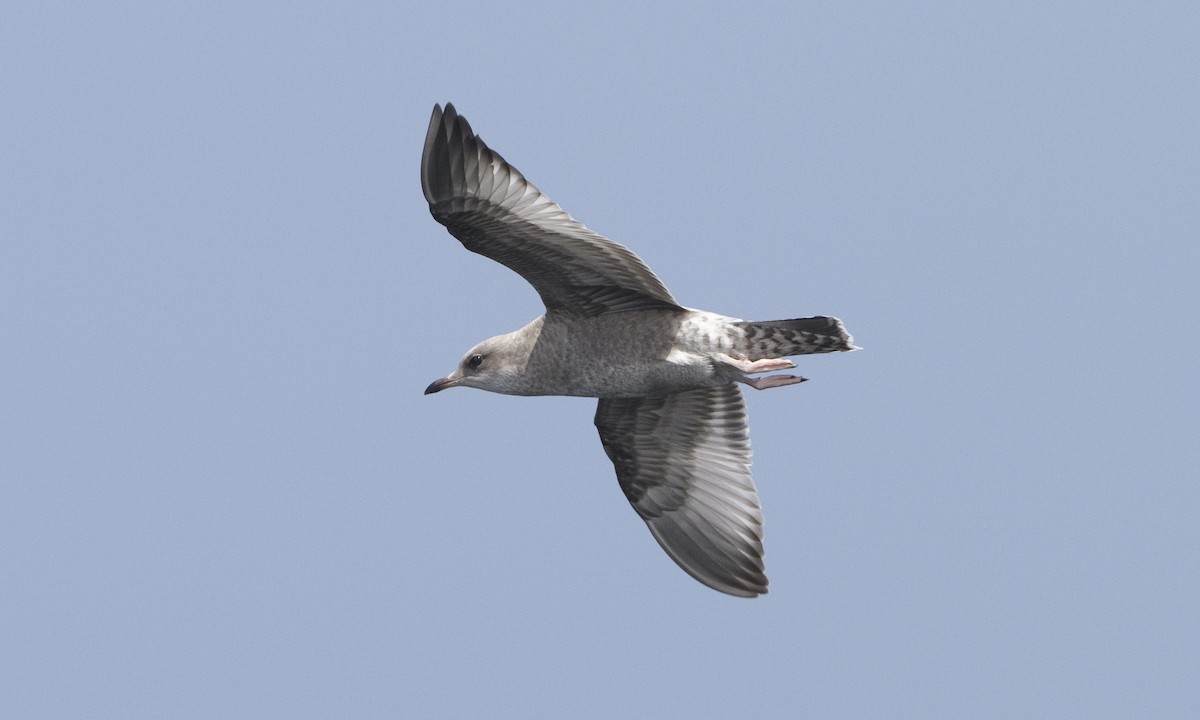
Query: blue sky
{"x": 224, "y": 496}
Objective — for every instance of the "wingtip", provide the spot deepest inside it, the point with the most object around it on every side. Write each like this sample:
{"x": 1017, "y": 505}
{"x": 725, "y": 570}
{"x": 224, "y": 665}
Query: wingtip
{"x": 447, "y": 133}
{"x": 445, "y": 117}
{"x": 441, "y": 126}
{"x": 749, "y": 591}
{"x": 694, "y": 551}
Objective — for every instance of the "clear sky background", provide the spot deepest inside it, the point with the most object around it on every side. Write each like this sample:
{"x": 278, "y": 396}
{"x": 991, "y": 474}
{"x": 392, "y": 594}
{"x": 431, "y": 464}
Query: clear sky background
{"x": 223, "y": 495}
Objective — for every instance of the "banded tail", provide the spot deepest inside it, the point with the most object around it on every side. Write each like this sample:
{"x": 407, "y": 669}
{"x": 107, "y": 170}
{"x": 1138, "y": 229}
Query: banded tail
{"x": 799, "y": 336}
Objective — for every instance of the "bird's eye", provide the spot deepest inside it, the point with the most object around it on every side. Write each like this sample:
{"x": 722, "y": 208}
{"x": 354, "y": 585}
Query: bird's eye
{"x": 475, "y": 361}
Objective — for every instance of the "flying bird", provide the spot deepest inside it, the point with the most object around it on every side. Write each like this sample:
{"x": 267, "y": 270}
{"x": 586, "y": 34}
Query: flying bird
{"x": 671, "y": 415}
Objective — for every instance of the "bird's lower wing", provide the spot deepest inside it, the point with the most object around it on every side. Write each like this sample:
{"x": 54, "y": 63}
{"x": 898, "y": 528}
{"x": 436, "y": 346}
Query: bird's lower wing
{"x": 683, "y": 461}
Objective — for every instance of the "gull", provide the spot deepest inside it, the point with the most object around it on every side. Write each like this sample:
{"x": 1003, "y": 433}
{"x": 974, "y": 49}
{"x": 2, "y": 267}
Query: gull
{"x": 671, "y": 415}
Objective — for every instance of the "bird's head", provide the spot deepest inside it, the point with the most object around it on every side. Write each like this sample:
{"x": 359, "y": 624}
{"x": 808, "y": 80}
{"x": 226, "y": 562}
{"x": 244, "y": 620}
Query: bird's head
{"x": 490, "y": 365}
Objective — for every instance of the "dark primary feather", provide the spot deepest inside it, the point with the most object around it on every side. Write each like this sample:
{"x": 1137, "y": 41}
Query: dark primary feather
{"x": 683, "y": 461}
{"x": 493, "y": 210}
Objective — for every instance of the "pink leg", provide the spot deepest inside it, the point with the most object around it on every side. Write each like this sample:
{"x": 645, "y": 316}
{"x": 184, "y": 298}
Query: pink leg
{"x": 737, "y": 369}
{"x": 771, "y": 381}
{"x": 757, "y": 366}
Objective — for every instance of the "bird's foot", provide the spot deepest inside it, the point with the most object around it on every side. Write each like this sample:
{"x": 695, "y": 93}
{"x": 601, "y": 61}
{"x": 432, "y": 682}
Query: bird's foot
{"x": 737, "y": 369}
{"x": 772, "y": 381}
{"x": 757, "y": 366}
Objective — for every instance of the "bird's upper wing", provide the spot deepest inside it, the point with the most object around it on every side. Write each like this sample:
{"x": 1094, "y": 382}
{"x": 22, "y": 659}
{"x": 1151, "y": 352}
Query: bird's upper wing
{"x": 683, "y": 461}
{"x": 488, "y": 205}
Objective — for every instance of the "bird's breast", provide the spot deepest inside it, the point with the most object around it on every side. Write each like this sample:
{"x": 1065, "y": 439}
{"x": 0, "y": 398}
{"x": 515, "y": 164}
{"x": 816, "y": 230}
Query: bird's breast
{"x": 629, "y": 354}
